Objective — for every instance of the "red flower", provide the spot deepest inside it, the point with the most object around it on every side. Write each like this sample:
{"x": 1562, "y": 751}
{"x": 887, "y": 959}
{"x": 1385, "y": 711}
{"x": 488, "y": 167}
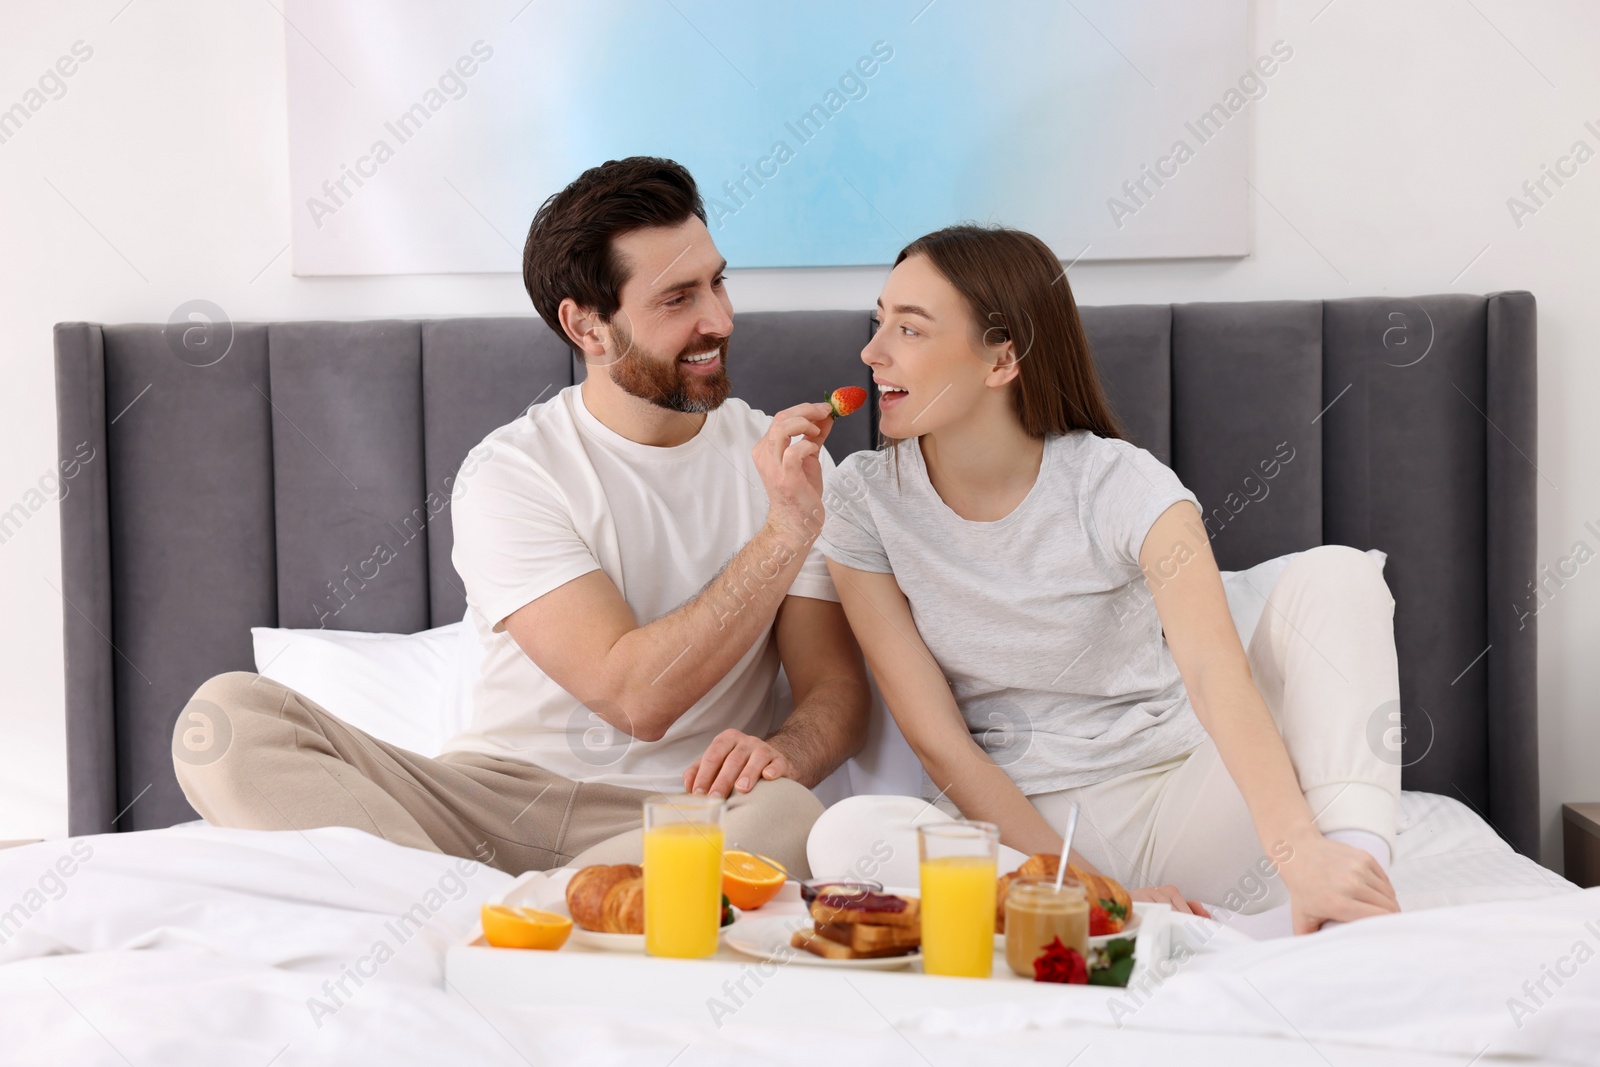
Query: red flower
{"x": 1059, "y": 963}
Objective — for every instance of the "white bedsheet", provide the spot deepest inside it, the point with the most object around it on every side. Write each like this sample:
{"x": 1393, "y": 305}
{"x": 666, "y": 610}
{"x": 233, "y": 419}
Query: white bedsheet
{"x": 208, "y": 946}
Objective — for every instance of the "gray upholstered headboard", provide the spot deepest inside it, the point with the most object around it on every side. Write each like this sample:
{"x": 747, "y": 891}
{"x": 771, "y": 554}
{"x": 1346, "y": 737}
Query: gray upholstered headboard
{"x": 240, "y": 493}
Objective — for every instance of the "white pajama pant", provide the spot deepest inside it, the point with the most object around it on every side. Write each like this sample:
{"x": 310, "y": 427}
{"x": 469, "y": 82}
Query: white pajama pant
{"x": 1322, "y": 656}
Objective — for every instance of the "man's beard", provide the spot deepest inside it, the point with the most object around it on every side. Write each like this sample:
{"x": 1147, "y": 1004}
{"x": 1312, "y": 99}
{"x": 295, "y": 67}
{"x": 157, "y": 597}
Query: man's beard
{"x": 666, "y": 383}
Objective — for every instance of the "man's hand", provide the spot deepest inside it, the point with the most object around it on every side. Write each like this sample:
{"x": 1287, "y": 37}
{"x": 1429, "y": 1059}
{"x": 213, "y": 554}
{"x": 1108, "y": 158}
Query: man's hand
{"x": 792, "y": 473}
{"x": 734, "y": 760}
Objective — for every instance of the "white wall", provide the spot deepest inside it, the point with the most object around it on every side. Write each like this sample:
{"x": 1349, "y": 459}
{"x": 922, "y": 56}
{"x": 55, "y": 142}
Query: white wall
{"x": 1387, "y": 149}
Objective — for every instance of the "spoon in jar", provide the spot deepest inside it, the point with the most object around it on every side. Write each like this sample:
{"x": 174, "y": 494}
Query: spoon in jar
{"x": 1066, "y": 844}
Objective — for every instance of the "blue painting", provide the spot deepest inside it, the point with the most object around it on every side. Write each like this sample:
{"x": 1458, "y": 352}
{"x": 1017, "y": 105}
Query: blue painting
{"x": 824, "y": 133}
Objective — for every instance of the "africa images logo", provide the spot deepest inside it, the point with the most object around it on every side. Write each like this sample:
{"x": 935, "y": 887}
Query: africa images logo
{"x": 203, "y": 735}
{"x": 1387, "y": 734}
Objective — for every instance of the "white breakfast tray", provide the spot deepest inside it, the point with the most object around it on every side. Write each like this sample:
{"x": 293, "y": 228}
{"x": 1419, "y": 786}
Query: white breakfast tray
{"x": 730, "y": 988}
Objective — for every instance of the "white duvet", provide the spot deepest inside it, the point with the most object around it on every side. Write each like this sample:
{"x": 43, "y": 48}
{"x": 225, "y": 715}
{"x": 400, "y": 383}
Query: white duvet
{"x": 196, "y": 945}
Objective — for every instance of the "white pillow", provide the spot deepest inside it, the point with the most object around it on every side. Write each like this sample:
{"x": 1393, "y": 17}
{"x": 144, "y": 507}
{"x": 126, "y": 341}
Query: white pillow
{"x": 887, "y": 765}
{"x": 1247, "y": 590}
{"x": 415, "y": 690}
{"x": 411, "y": 690}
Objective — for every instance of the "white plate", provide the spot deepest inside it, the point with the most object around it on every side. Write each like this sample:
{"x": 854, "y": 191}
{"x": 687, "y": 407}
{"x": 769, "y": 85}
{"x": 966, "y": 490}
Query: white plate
{"x": 548, "y": 890}
{"x": 768, "y": 939}
{"x": 596, "y": 939}
{"x": 615, "y": 942}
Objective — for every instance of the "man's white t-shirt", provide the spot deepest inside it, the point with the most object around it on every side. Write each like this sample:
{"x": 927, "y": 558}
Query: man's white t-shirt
{"x": 557, "y": 495}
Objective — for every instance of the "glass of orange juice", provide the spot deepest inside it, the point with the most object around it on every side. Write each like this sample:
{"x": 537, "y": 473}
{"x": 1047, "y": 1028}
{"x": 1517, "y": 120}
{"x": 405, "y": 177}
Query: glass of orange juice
{"x": 957, "y": 868}
{"x": 682, "y": 875}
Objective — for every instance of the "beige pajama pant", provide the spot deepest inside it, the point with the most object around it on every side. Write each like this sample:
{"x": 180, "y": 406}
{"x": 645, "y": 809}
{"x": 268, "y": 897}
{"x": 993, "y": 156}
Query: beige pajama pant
{"x": 1323, "y": 657}
{"x": 254, "y": 754}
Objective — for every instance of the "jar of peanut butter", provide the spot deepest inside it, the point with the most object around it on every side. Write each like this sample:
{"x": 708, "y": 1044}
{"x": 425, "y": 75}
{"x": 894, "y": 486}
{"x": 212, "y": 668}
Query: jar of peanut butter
{"x": 1037, "y": 913}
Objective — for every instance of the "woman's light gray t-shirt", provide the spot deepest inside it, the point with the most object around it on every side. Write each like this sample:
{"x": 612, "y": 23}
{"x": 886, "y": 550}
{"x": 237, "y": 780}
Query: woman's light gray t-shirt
{"x": 1041, "y": 621}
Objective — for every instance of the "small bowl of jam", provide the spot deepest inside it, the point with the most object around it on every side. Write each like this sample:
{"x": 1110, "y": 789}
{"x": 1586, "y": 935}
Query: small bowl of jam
{"x": 838, "y": 887}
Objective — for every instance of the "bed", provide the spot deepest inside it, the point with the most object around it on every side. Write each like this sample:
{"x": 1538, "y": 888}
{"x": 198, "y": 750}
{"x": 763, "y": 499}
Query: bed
{"x": 238, "y": 479}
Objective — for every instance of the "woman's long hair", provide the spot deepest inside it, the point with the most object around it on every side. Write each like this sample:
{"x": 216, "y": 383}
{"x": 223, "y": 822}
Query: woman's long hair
{"x": 1015, "y": 289}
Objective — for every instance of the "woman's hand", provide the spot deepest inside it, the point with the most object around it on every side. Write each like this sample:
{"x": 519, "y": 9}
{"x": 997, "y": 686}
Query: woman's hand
{"x": 1332, "y": 881}
{"x": 1168, "y": 894}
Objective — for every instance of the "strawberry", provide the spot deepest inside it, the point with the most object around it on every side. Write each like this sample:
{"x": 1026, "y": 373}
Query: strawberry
{"x": 1101, "y": 922}
{"x": 845, "y": 400}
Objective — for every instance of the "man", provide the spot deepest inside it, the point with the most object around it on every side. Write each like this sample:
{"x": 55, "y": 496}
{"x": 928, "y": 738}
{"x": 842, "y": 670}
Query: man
{"x": 638, "y": 556}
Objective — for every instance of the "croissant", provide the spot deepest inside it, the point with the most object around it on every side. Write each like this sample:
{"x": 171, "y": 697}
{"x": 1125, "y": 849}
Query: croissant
{"x": 1097, "y": 887}
{"x": 1040, "y": 865}
{"x": 622, "y": 912}
{"x": 589, "y": 888}
{"x": 1000, "y": 892}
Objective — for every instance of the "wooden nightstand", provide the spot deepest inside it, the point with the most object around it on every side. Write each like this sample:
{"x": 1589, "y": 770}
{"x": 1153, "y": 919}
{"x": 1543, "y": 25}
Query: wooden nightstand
{"x": 1581, "y": 832}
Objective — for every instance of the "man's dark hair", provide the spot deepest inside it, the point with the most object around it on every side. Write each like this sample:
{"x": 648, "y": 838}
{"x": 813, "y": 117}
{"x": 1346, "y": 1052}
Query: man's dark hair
{"x": 569, "y": 251}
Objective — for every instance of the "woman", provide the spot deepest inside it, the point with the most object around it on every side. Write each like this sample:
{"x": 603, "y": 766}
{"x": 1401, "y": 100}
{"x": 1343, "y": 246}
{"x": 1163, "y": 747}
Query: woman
{"x": 1038, "y": 601}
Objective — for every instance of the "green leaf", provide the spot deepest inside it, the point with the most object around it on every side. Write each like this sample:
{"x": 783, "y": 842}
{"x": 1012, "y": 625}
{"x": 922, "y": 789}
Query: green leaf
{"x": 1114, "y": 975}
{"x": 1118, "y": 948}
{"x": 1113, "y": 909}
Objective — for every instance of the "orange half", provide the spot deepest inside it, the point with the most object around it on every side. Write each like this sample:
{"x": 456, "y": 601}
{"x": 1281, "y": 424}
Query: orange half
{"x": 750, "y": 880}
{"x": 506, "y": 927}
